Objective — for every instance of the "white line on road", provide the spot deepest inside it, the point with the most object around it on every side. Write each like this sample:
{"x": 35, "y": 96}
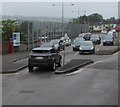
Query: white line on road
{"x": 80, "y": 70}
{"x": 93, "y": 64}
{"x": 97, "y": 49}
{"x": 115, "y": 53}
{"x": 76, "y": 53}
{"x": 10, "y": 74}
{"x": 70, "y": 51}
{"x": 76, "y": 72}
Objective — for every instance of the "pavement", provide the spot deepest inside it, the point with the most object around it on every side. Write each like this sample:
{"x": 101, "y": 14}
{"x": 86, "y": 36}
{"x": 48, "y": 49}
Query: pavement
{"x": 12, "y": 63}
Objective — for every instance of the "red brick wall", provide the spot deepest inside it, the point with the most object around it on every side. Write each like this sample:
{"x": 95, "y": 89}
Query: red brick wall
{"x": 5, "y": 47}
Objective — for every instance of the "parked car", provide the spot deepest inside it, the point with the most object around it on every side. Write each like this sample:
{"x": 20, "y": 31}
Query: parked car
{"x": 95, "y": 39}
{"x": 67, "y": 41}
{"x": 47, "y": 44}
{"x": 44, "y": 57}
{"x": 87, "y": 36}
{"x": 112, "y": 34}
{"x": 108, "y": 40}
{"x": 81, "y": 35}
{"x": 86, "y": 47}
{"x": 76, "y": 43}
{"x": 58, "y": 44}
{"x": 104, "y": 32}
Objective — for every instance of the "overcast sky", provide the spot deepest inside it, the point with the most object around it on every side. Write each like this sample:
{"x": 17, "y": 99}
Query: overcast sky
{"x": 106, "y": 9}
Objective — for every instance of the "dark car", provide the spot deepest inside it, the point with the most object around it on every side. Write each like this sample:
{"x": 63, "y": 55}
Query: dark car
{"x": 47, "y": 44}
{"x": 108, "y": 40}
{"x": 95, "y": 39}
{"x": 76, "y": 43}
{"x": 86, "y": 47}
{"x": 58, "y": 44}
{"x": 44, "y": 57}
{"x": 81, "y": 35}
{"x": 87, "y": 36}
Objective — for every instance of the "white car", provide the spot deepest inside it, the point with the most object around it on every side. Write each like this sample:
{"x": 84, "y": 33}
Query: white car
{"x": 67, "y": 41}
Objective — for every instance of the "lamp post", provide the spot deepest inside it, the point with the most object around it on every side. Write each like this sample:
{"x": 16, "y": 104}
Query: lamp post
{"x": 28, "y": 38}
{"x": 63, "y": 25}
{"x": 78, "y": 11}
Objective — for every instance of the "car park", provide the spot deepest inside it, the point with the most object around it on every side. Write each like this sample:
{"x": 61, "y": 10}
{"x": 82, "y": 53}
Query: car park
{"x": 44, "y": 57}
{"x": 86, "y": 47}
{"x": 76, "y": 43}
{"x": 58, "y": 44}
{"x": 108, "y": 40}
{"x": 95, "y": 39}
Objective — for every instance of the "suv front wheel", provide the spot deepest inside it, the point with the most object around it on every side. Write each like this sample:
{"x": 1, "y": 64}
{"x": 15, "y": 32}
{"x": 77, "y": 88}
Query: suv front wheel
{"x": 53, "y": 67}
{"x": 60, "y": 63}
{"x": 30, "y": 68}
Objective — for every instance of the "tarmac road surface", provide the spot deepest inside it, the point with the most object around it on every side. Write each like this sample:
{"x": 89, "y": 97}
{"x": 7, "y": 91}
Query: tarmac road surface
{"x": 95, "y": 84}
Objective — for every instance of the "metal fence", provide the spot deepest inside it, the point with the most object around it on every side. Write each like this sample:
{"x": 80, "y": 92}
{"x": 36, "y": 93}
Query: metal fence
{"x": 46, "y": 31}
{"x": 53, "y": 30}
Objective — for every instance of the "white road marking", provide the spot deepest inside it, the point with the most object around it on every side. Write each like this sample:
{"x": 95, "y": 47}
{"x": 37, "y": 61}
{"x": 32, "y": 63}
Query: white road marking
{"x": 10, "y": 74}
{"x": 62, "y": 52}
{"x": 93, "y": 64}
{"x": 76, "y": 53}
{"x": 98, "y": 49}
{"x": 81, "y": 70}
{"x": 100, "y": 44}
{"x": 70, "y": 51}
{"x": 115, "y": 53}
{"x": 76, "y": 72}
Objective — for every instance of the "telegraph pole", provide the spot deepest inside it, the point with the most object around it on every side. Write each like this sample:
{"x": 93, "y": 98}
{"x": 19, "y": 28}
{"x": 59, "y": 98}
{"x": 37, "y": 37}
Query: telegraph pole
{"x": 28, "y": 36}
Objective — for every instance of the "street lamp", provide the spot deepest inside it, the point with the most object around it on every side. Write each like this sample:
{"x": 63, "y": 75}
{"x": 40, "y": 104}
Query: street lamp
{"x": 63, "y": 25}
{"x": 78, "y": 11}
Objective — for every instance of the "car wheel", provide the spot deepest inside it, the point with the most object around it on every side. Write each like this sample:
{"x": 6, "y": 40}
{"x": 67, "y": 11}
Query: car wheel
{"x": 93, "y": 52}
{"x": 53, "y": 66}
{"x": 73, "y": 49}
{"x": 30, "y": 68}
{"x": 60, "y": 63}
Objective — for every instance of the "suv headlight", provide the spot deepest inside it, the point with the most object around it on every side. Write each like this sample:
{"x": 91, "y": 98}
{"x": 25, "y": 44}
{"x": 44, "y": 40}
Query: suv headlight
{"x": 92, "y": 48}
{"x": 30, "y": 56}
{"x": 73, "y": 45}
{"x": 80, "y": 48}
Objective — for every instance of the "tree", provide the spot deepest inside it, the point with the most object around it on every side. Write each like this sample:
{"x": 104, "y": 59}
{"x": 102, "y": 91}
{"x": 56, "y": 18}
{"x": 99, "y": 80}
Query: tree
{"x": 95, "y": 18}
{"x": 91, "y": 19}
{"x": 24, "y": 30}
{"x": 8, "y": 27}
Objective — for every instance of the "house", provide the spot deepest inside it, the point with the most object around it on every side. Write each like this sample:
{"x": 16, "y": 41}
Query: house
{"x": 102, "y": 27}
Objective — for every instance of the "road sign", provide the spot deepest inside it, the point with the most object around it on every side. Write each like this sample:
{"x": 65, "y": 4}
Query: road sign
{"x": 16, "y": 39}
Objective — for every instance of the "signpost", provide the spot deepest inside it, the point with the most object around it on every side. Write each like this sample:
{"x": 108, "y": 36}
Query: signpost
{"x": 16, "y": 39}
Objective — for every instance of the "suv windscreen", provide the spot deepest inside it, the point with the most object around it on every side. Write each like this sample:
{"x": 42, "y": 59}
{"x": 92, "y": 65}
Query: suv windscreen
{"x": 41, "y": 51}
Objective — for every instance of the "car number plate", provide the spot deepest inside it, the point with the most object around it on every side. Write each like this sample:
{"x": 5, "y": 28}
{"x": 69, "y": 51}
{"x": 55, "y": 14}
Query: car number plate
{"x": 39, "y": 57}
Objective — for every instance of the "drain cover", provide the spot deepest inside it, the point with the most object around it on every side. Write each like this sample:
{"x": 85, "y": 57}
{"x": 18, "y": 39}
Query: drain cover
{"x": 26, "y": 91}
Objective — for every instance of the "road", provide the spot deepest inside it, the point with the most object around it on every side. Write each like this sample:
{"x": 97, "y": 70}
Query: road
{"x": 95, "y": 84}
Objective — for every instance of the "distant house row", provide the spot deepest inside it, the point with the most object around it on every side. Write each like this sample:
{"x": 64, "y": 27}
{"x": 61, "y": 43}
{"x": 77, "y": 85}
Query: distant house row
{"x": 102, "y": 27}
